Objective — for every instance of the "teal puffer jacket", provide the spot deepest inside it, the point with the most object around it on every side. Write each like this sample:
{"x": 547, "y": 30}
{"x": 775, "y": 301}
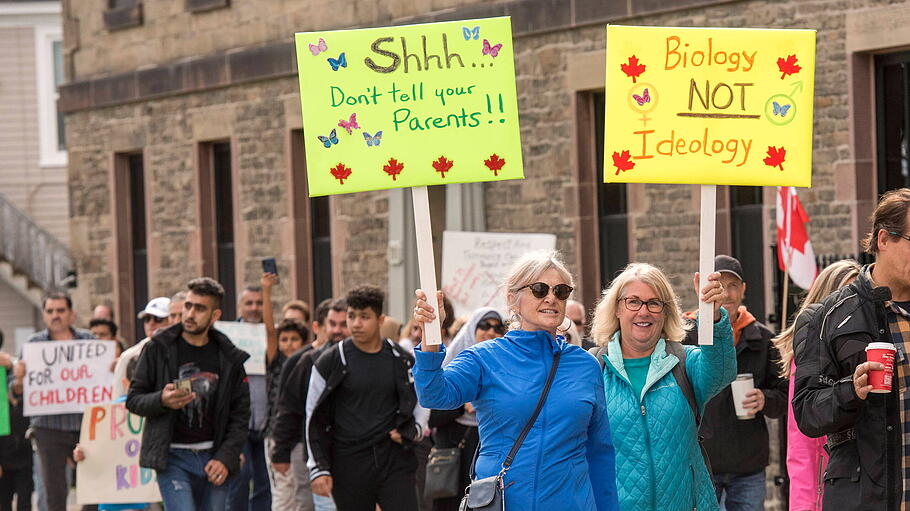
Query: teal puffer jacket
{"x": 659, "y": 466}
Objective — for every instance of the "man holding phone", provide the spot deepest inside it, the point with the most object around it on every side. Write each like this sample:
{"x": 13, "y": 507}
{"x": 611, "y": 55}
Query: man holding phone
{"x": 192, "y": 438}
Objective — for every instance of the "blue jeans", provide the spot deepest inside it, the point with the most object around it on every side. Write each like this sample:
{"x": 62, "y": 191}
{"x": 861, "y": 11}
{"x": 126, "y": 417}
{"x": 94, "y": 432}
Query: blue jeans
{"x": 740, "y": 492}
{"x": 254, "y": 469}
{"x": 323, "y": 503}
{"x": 184, "y": 485}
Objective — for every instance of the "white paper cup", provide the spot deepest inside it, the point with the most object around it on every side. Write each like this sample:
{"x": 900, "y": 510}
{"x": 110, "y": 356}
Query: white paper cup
{"x": 740, "y": 387}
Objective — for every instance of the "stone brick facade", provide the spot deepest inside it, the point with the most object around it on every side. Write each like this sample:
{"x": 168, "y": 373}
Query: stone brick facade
{"x": 181, "y": 78}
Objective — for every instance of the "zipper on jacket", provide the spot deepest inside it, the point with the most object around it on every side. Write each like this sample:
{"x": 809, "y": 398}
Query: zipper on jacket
{"x": 643, "y": 410}
{"x": 820, "y": 483}
{"x": 694, "y": 489}
{"x": 652, "y": 484}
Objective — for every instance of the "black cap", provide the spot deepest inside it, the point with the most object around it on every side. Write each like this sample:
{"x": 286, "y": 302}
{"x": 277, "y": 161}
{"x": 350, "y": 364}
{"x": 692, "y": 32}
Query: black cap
{"x": 725, "y": 263}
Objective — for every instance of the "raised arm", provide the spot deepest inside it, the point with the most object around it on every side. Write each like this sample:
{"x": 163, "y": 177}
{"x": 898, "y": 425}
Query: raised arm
{"x": 268, "y": 317}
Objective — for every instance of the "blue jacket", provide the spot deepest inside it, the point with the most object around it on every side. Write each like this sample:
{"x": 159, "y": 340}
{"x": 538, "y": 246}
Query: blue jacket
{"x": 567, "y": 460}
{"x": 659, "y": 465}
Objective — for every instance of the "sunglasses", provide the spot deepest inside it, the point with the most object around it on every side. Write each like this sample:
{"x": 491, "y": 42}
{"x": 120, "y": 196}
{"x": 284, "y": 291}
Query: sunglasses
{"x": 153, "y": 319}
{"x": 497, "y": 327}
{"x": 540, "y": 290}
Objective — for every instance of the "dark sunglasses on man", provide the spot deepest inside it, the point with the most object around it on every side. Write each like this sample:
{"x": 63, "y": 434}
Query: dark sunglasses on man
{"x": 541, "y": 289}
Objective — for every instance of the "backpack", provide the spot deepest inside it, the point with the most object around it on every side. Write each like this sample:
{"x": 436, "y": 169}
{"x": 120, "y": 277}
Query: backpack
{"x": 679, "y": 372}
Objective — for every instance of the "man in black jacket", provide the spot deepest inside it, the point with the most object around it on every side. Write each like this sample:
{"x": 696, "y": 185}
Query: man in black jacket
{"x": 191, "y": 387}
{"x": 867, "y": 432}
{"x": 331, "y": 327}
{"x": 738, "y": 449}
{"x": 362, "y": 415}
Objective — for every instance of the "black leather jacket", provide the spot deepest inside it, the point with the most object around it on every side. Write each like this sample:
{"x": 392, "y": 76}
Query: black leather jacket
{"x": 157, "y": 367}
{"x": 863, "y": 435}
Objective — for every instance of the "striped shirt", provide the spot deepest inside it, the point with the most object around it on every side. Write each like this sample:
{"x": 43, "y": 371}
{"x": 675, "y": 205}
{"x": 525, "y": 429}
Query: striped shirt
{"x": 64, "y": 421}
{"x": 899, "y": 324}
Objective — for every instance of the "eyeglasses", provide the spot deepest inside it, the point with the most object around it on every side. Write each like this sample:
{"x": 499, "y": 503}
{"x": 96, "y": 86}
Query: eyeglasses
{"x": 634, "y": 304}
{"x": 495, "y": 325}
{"x": 905, "y": 236}
{"x": 540, "y": 290}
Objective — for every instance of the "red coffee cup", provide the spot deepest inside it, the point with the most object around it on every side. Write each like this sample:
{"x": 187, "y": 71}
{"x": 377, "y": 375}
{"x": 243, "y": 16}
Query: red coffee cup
{"x": 882, "y": 352}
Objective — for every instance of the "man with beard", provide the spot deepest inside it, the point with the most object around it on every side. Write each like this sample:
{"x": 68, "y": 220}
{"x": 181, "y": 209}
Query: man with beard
{"x": 331, "y": 327}
{"x": 191, "y": 387}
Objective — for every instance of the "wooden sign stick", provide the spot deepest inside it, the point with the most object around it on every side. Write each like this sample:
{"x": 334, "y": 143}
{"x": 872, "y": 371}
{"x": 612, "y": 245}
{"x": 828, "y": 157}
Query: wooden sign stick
{"x": 426, "y": 261}
{"x": 706, "y": 261}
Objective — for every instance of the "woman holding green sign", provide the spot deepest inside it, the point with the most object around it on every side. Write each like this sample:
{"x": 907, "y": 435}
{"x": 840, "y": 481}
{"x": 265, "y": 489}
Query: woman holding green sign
{"x": 545, "y": 439}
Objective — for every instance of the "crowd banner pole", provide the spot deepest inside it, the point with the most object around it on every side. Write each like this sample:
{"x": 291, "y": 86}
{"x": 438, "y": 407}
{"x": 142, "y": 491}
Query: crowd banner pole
{"x": 706, "y": 261}
{"x": 425, "y": 258}
{"x": 783, "y": 311}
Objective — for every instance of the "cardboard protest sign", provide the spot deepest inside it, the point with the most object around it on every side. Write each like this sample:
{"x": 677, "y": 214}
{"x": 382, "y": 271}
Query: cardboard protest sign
{"x": 251, "y": 338}
{"x": 709, "y": 106}
{"x": 111, "y": 438}
{"x": 407, "y": 106}
{"x": 475, "y": 263}
{"x": 64, "y": 376}
{"x": 4, "y": 405}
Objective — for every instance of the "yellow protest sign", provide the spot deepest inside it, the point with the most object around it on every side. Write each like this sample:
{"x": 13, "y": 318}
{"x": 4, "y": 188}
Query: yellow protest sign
{"x": 709, "y": 106}
{"x": 406, "y": 106}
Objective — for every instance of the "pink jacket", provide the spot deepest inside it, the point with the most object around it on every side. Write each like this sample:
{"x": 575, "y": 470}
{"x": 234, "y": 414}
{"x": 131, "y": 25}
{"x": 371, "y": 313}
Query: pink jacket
{"x": 806, "y": 462}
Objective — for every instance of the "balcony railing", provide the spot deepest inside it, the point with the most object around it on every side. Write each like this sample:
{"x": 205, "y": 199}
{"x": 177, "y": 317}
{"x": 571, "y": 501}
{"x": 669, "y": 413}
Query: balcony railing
{"x": 33, "y": 252}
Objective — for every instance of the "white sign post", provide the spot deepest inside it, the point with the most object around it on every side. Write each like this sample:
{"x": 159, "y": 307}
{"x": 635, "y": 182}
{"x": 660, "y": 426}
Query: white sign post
{"x": 706, "y": 261}
{"x": 65, "y": 376}
{"x": 426, "y": 260}
{"x": 249, "y": 337}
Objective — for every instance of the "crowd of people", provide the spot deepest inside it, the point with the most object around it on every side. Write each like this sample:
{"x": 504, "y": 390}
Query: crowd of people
{"x": 540, "y": 407}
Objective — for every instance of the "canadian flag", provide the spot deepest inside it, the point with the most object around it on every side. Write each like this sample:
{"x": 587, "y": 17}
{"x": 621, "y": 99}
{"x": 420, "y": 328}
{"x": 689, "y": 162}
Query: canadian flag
{"x": 794, "y": 250}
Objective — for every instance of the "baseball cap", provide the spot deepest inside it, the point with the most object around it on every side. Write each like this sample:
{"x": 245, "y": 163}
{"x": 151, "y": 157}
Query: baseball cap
{"x": 725, "y": 263}
{"x": 157, "y": 307}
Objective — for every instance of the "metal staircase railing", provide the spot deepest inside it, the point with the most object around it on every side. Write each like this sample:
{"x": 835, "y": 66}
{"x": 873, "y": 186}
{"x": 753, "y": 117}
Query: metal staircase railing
{"x": 32, "y": 251}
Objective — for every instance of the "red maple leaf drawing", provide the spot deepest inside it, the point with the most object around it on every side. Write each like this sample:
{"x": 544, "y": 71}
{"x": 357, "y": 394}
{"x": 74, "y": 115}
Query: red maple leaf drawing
{"x": 788, "y": 66}
{"x": 495, "y": 163}
{"x": 442, "y": 165}
{"x": 341, "y": 172}
{"x": 776, "y": 157}
{"x": 633, "y": 69}
{"x": 393, "y": 168}
{"x": 622, "y": 161}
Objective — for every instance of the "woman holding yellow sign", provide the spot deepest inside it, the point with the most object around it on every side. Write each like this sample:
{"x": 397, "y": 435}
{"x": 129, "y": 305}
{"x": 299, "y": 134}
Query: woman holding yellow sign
{"x": 566, "y": 456}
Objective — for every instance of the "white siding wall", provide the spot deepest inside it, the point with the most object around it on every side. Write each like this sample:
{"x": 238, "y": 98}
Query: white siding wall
{"x": 15, "y": 312}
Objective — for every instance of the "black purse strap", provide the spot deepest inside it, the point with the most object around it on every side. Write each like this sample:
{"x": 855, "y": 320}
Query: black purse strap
{"x": 524, "y": 432}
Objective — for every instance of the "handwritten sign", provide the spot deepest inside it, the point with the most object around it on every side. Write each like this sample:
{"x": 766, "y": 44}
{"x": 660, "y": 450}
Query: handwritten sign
{"x": 4, "y": 405}
{"x": 251, "y": 338}
{"x": 709, "y": 106}
{"x": 406, "y": 106}
{"x": 474, "y": 265}
{"x": 111, "y": 438}
{"x": 64, "y": 376}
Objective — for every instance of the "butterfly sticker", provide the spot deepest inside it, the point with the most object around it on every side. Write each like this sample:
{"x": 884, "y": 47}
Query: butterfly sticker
{"x": 329, "y": 140}
{"x": 471, "y": 33}
{"x": 316, "y": 49}
{"x": 780, "y": 110}
{"x": 492, "y": 51}
{"x": 374, "y": 140}
{"x": 350, "y": 124}
{"x": 342, "y": 61}
{"x": 644, "y": 98}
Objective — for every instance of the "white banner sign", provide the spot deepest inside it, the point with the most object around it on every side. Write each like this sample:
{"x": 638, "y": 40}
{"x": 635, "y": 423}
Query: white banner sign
{"x": 251, "y": 338}
{"x": 474, "y": 264}
{"x": 65, "y": 376}
{"x": 111, "y": 438}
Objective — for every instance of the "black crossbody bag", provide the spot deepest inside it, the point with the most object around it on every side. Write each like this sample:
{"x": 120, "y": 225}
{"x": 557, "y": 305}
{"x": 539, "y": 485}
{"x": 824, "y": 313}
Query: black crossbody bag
{"x": 488, "y": 494}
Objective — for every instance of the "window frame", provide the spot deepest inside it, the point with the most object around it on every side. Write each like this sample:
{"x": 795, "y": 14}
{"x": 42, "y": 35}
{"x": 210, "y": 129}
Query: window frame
{"x": 50, "y": 154}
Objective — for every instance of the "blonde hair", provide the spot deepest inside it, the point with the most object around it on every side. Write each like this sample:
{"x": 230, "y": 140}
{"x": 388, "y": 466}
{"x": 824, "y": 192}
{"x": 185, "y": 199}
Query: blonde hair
{"x": 526, "y": 270}
{"x": 837, "y": 275}
{"x": 605, "y": 321}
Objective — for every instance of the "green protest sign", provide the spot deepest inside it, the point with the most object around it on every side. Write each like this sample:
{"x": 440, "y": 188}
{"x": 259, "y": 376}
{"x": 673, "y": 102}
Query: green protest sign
{"x": 4, "y": 405}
